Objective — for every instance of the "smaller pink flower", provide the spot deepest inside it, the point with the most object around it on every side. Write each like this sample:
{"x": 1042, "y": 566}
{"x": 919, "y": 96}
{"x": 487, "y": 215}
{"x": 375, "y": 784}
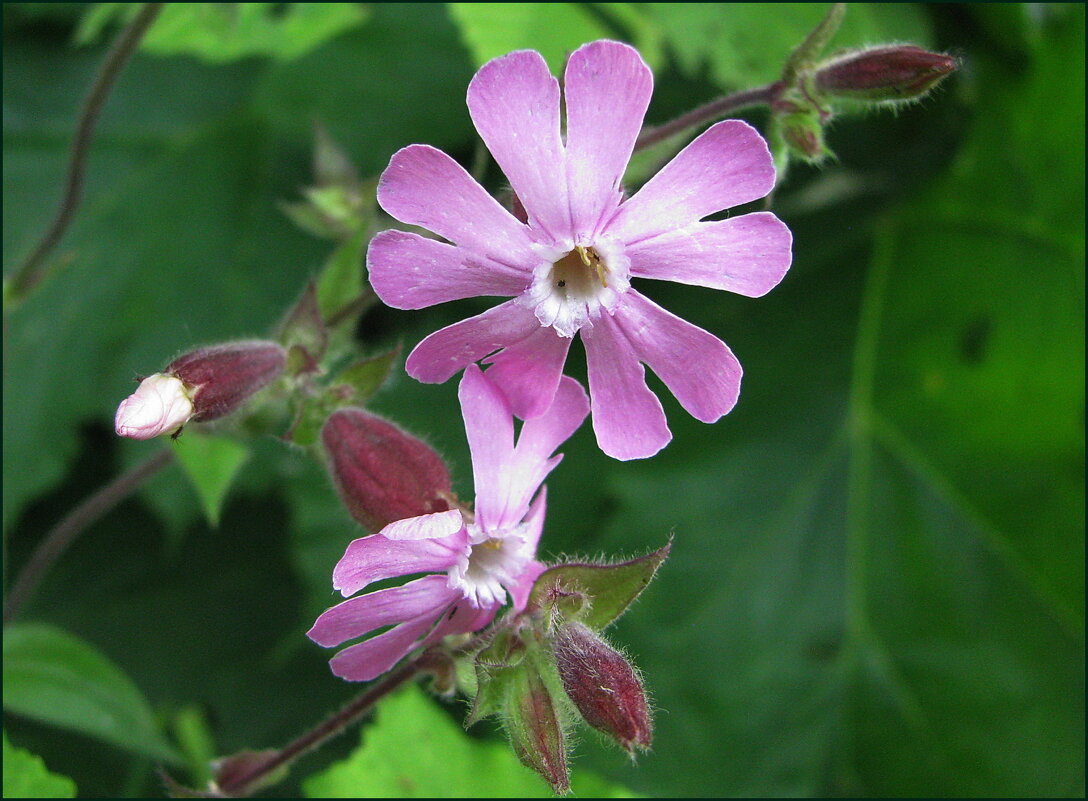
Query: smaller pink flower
{"x": 160, "y": 405}
{"x": 475, "y": 561}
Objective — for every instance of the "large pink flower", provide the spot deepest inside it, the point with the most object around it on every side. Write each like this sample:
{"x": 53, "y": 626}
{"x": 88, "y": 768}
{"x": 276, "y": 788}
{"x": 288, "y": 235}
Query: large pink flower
{"x": 568, "y": 269}
{"x": 476, "y": 560}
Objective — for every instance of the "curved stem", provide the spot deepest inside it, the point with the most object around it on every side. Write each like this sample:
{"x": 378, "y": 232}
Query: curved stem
{"x": 31, "y": 271}
{"x": 245, "y": 783}
{"x": 719, "y": 107}
{"x": 58, "y": 538}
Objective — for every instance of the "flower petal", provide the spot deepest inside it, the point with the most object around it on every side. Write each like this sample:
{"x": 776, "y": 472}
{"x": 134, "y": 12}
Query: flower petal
{"x": 358, "y": 616}
{"x": 433, "y": 526}
{"x": 519, "y": 593}
{"x": 425, "y": 187}
{"x": 748, "y": 255}
{"x": 370, "y": 659}
{"x": 695, "y": 365}
{"x": 409, "y": 271}
{"x": 728, "y": 164}
{"x": 541, "y": 436}
{"x": 528, "y": 371}
{"x": 489, "y": 426}
{"x": 376, "y": 557}
{"x": 627, "y": 417}
{"x": 607, "y": 87}
{"x": 447, "y": 350}
{"x": 514, "y": 104}
{"x": 464, "y": 617}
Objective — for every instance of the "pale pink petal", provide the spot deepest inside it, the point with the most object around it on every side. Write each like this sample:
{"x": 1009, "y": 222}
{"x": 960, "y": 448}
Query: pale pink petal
{"x": 446, "y": 351}
{"x": 409, "y": 271}
{"x": 607, "y": 87}
{"x": 695, "y": 365}
{"x": 748, "y": 255}
{"x": 370, "y": 659}
{"x": 541, "y": 436}
{"x": 627, "y": 417}
{"x": 358, "y": 616}
{"x": 433, "y": 526}
{"x": 489, "y": 425}
{"x": 727, "y": 165}
{"x": 535, "y": 519}
{"x": 514, "y": 104}
{"x": 528, "y": 371}
{"x": 425, "y": 187}
{"x": 519, "y": 593}
{"x": 464, "y": 617}
{"x": 376, "y": 557}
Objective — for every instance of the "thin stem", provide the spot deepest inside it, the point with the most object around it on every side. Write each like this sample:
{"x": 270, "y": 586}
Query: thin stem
{"x": 351, "y": 308}
{"x": 31, "y": 271}
{"x": 719, "y": 107}
{"x": 245, "y": 783}
{"x": 58, "y": 538}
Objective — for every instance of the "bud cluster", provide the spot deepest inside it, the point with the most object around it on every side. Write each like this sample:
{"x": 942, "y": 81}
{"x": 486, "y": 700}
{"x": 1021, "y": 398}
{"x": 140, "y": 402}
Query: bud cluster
{"x": 882, "y": 75}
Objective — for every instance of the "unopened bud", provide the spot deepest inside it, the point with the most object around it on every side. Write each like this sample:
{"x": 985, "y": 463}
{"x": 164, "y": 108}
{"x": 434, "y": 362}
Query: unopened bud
{"x": 536, "y": 733}
{"x": 604, "y": 686}
{"x": 160, "y": 405}
{"x": 891, "y": 73}
{"x": 221, "y": 378}
{"x": 382, "y": 473}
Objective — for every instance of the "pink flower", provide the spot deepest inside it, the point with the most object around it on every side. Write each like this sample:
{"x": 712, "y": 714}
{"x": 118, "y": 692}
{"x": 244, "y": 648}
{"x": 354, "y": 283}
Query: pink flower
{"x": 475, "y": 561}
{"x": 569, "y": 268}
{"x": 160, "y": 405}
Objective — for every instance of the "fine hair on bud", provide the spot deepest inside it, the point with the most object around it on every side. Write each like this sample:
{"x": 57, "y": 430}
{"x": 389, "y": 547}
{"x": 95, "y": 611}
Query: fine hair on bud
{"x": 604, "y": 686}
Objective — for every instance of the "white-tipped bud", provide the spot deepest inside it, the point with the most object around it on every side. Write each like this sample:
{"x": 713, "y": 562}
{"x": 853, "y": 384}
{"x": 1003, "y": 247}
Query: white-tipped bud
{"x": 160, "y": 405}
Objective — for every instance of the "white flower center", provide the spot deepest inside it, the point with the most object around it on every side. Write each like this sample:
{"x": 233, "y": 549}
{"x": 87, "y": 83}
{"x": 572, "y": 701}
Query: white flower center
{"x": 494, "y": 563}
{"x": 573, "y": 284}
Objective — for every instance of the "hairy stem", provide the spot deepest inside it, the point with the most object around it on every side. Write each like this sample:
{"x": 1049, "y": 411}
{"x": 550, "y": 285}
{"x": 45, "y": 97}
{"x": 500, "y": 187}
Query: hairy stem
{"x": 30, "y": 272}
{"x": 245, "y": 783}
{"x": 64, "y": 533}
{"x": 715, "y": 109}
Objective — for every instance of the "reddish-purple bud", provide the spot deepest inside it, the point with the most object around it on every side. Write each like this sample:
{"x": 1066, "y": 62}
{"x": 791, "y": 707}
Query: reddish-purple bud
{"x": 382, "y": 473}
{"x": 890, "y": 73}
{"x": 221, "y": 378}
{"x": 536, "y": 733}
{"x": 604, "y": 686}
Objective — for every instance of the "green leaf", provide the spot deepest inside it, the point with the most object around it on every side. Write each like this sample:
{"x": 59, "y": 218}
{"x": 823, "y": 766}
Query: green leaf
{"x": 743, "y": 49}
{"x": 608, "y": 589}
{"x": 414, "y": 750}
{"x": 304, "y": 328}
{"x": 218, "y": 33}
{"x": 553, "y": 29}
{"x": 365, "y": 377}
{"x": 54, "y": 677}
{"x": 194, "y": 738}
{"x": 211, "y": 463}
{"x": 26, "y": 776}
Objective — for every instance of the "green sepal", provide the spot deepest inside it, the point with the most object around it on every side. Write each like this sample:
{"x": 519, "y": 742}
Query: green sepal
{"x": 361, "y": 379}
{"x": 806, "y": 53}
{"x": 608, "y": 589}
{"x": 495, "y": 666}
{"x": 303, "y": 331}
{"x": 531, "y": 717}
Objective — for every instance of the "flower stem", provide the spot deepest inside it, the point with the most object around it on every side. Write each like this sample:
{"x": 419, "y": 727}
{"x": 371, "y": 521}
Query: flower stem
{"x": 30, "y": 272}
{"x": 58, "y": 538}
{"x": 245, "y": 783}
{"x": 719, "y": 107}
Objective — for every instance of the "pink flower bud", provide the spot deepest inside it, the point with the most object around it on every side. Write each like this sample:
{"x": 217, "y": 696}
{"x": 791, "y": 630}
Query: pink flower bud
{"x": 160, "y": 405}
{"x": 221, "y": 378}
{"x": 382, "y": 473}
{"x": 604, "y": 686}
{"x": 890, "y": 73}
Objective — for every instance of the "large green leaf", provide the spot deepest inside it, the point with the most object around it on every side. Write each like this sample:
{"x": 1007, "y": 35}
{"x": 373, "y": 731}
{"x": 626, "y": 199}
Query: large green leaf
{"x": 26, "y": 776}
{"x": 55, "y": 677}
{"x": 416, "y": 751}
{"x": 220, "y": 32}
{"x": 210, "y": 463}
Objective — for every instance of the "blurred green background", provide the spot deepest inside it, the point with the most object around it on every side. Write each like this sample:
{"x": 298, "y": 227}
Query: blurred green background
{"x": 877, "y": 582}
